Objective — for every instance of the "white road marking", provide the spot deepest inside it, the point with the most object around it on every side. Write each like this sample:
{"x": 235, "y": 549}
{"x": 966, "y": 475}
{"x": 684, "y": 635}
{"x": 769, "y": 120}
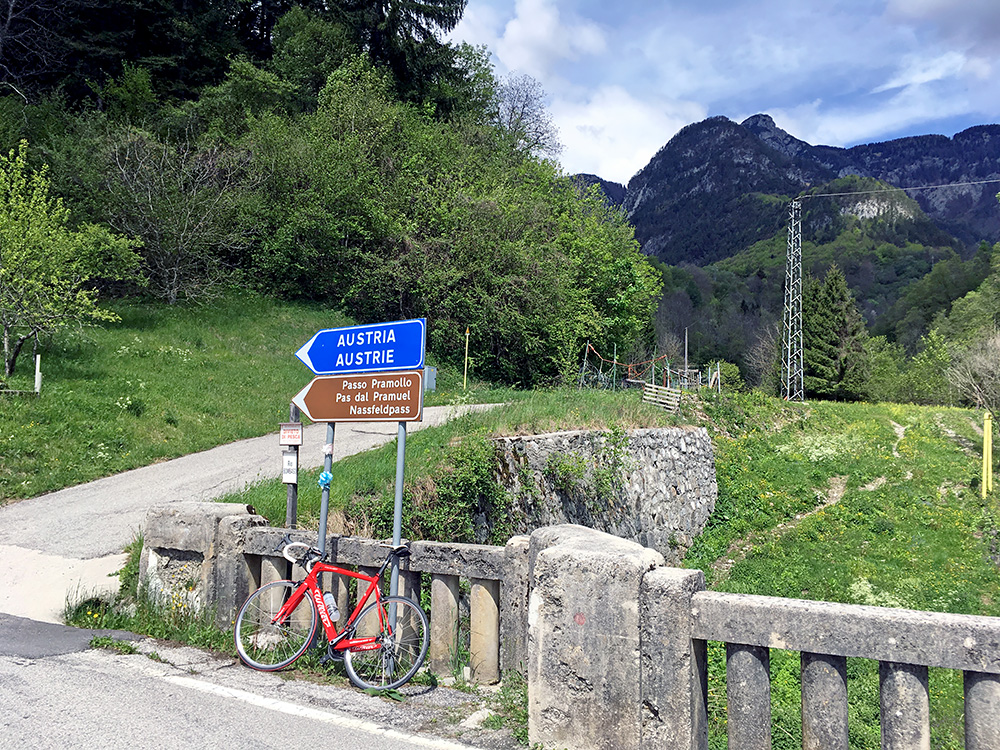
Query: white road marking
{"x": 312, "y": 713}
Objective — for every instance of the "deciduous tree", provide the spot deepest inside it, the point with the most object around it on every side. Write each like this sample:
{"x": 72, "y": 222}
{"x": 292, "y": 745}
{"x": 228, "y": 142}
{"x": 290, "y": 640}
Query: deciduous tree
{"x": 47, "y": 270}
{"x": 180, "y": 200}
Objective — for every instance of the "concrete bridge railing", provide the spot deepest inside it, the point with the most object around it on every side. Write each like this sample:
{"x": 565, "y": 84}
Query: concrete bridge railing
{"x": 614, "y": 643}
{"x": 214, "y": 555}
{"x": 680, "y": 618}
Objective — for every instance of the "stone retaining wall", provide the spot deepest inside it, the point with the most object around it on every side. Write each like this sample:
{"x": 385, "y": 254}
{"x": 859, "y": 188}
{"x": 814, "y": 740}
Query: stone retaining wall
{"x": 656, "y": 487}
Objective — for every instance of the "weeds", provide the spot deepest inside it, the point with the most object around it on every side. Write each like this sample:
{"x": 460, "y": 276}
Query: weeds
{"x": 122, "y": 647}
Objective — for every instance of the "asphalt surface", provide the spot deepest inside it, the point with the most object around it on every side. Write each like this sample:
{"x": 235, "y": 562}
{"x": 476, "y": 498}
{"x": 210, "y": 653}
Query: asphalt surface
{"x": 56, "y": 691}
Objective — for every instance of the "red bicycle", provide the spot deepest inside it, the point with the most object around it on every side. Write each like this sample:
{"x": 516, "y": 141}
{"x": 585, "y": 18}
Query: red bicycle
{"x": 383, "y": 644}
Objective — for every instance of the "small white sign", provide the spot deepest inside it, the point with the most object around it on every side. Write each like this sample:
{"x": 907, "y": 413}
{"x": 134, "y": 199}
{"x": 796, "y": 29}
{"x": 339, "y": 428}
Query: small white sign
{"x": 290, "y": 433}
{"x": 290, "y": 467}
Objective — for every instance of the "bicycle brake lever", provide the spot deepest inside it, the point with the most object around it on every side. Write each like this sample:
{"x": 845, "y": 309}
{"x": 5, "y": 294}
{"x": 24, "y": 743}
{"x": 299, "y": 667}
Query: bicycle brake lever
{"x": 285, "y": 541}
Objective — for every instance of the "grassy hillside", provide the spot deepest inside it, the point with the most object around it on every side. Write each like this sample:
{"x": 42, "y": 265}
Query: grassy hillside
{"x": 859, "y": 503}
{"x": 161, "y": 383}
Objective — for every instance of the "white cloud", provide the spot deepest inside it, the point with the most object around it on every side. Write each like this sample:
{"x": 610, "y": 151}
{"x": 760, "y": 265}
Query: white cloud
{"x": 623, "y": 77}
{"x": 480, "y": 24}
{"x": 918, "y": 69}
{"x": 539, "y": 37}
{"x": 818, "y": 122}
{"x": 613, "y": 134}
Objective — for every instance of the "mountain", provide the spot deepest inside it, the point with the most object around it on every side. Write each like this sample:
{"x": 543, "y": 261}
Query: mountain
{"x": 718, "y": 186}
{"x": 614, "y": 192}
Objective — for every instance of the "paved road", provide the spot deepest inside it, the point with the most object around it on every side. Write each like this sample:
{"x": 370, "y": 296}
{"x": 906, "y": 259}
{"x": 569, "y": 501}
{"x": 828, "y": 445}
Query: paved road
{"x": 70, "y": 542}
{"x": 55, "y": 691}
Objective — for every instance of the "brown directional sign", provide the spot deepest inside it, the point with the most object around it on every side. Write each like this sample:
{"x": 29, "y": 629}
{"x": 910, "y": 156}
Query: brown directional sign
{"x": 373, "y": 397}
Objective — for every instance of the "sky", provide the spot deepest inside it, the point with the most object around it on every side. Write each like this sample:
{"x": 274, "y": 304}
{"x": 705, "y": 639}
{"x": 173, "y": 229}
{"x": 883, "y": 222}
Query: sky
{"x": 623, "y": 76}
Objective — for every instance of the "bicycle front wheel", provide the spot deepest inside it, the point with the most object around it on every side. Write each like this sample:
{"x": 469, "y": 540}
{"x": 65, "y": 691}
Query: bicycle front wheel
{"x": 397, "y": 652}
{"x": 266, "y": 643}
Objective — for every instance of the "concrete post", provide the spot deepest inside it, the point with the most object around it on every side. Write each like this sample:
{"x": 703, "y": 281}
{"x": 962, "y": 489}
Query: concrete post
{"x": 583, "y": 639}
{"x": 982, "y": 711}
{"x": 231, "y": 576}
{"x": 748, "y": 696}
{"x": 272, "y": 569}
{"x": 674, "y": 680}
{"x": 484, "y": 627}
{"x": 191, "y": 555}
{"x": 905, "y": 706}
{"x": 824, "y": 702}
{"x": 444, "y": 623}
{"x": 514, "y": 606}
{"x": 409, "y": 585}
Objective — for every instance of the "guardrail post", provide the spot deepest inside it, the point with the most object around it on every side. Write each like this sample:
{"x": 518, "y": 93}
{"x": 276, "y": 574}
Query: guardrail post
{"x": 484, "y": 626}
{"x": 904, "y": 706}
{"x": 748, "y": 696}
{"x": 444, "y": 623}
{"x": 824, "y": 702}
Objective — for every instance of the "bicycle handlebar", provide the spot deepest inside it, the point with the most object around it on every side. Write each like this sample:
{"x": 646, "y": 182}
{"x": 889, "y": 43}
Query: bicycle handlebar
{"x": 310, "y": 554}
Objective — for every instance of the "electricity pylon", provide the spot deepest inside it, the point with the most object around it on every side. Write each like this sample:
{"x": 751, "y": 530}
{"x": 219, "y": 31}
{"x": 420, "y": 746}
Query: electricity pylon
{"x": 791, "y": 352}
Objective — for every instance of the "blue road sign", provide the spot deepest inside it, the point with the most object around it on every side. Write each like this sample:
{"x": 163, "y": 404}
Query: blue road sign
{"x": 378, "y": 347}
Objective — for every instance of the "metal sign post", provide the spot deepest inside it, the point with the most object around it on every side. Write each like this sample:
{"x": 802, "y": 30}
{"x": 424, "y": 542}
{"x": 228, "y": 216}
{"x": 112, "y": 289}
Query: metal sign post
{"x": 290, "y": 438}
{"x": 367, "y": 373}
{"x": 324, "y": 483}
{"x": 397, "y": 510}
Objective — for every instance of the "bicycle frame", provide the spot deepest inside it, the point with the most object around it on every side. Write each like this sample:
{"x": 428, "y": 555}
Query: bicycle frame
{"x": 310, "y": 586}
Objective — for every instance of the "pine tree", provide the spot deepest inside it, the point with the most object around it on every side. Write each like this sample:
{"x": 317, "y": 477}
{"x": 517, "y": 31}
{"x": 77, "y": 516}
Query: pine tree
{"x": 834, "y": 338}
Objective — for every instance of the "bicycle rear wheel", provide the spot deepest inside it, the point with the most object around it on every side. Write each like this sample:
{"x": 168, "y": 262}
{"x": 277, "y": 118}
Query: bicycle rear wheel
{"x": 401, "y": 638}
{"x": 265, "y": 644}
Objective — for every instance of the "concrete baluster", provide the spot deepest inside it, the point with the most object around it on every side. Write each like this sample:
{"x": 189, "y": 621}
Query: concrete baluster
{"x": 514, "y": 606}
{"x": 905, "y": 706}
{"x": 444, "y": 623}
{"x": 370, "y": 627}
{"x": 824, "y": 702}
{"x": 982, "y": 711}
{"x": 272, "y": 569}
{"x": 484, "y": 626}
{"x": 748, "y": 694}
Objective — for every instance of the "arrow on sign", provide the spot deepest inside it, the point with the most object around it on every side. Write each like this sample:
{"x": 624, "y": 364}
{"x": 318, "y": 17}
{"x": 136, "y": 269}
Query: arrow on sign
{"x": 377, "y": 347}
{"x": 373, "y": 397}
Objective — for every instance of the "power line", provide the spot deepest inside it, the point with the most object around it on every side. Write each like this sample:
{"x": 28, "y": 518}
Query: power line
{"x": 894, "y": 189}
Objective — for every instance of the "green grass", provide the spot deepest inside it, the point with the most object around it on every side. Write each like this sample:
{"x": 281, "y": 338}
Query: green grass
{"x": 908, "y": 531}
{"x": 161, "y": 383}
{"x": 431, "y": 451}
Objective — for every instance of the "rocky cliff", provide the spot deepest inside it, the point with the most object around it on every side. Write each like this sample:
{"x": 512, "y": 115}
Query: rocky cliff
{"x": 719, "y": 186}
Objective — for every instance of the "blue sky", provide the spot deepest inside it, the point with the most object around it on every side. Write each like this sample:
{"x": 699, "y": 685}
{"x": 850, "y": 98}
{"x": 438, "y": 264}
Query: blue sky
{"x": 623, "y": 76}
